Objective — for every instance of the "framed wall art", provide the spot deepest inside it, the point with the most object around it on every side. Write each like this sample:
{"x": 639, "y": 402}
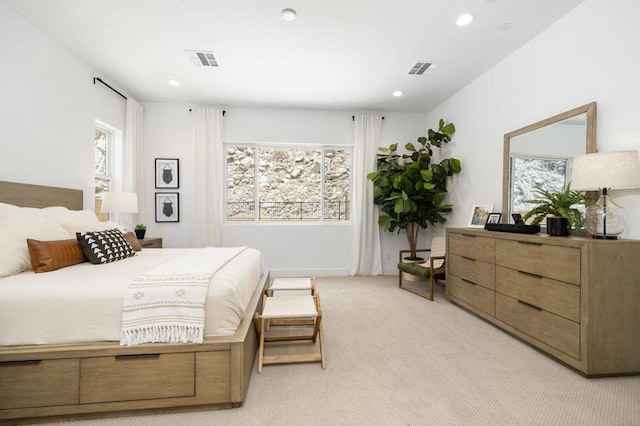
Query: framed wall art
{"x": 480, "y": 214}
{"x": 167, "y": 173}
{"x": 167, "y": 207}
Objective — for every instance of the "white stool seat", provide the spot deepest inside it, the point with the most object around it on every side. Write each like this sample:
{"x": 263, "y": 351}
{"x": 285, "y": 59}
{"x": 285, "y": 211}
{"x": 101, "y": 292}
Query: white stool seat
{"x": 291, "y": 284}
{"x": 289, "y": 307}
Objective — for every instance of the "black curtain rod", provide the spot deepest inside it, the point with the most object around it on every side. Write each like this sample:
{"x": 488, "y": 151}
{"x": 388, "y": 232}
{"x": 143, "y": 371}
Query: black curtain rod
{"x": 101, "y": 81}
{"x": 223, "y": 111}
{"x": 353, "y": 118}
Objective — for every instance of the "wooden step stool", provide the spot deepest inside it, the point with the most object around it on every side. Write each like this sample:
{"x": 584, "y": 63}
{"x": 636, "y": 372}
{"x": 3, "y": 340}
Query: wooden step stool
{"x": 293, "y": 309}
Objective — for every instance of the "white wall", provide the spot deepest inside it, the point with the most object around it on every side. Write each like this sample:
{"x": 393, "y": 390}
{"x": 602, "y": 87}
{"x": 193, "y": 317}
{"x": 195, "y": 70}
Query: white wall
{"x": 289, "y": 249}
{"x": 591, "y": 54}
{"x": 48, "y": 105}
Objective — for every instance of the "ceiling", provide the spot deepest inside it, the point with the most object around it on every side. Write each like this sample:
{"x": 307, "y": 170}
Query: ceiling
{"x": 337, "y": 54}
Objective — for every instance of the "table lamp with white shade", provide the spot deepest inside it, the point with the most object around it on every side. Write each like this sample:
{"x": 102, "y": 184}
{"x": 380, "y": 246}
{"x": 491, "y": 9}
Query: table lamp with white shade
{"x": 602, "y": 171}
{"x": 119, "y": 204}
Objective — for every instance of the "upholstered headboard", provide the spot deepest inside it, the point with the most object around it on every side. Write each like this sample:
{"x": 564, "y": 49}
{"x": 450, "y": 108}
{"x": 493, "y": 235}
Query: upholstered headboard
{"x": 26, "y": 195}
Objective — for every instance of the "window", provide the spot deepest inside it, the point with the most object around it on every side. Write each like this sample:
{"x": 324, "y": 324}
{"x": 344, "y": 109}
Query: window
{"x": 103, "y": 159}
{"x": 287, "y": 184}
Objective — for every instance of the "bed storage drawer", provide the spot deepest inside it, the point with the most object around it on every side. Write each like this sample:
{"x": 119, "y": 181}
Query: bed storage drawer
{"x": 38, "y": 383}
{"x": 136, "y": 377}
{"x": 551, "y": 329}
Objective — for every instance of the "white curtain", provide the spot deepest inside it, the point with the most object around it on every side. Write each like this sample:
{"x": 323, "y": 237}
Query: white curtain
{"x": 132, "y": 160}
{"x": 209, "y": 163}
{"x": 365, "y": 245}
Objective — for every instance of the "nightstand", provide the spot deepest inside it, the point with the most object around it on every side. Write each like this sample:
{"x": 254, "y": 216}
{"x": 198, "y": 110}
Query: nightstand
{"x": 150, "y": 242}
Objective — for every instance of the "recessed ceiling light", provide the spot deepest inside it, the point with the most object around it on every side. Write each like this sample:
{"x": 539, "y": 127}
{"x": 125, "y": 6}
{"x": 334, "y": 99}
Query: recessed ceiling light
{"x": 172, "y": 82}
{"x": 464, "y": 19}
{"x": 398, "y": 93}
{"x": 289, "y": 14}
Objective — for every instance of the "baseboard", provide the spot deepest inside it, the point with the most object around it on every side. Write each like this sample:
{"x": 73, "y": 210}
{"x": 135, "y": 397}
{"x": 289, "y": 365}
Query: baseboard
{"x": 301, "y": 272}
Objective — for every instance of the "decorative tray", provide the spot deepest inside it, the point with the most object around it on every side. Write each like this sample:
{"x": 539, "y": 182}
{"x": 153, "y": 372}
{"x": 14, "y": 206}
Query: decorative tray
{"x": 508, "y": 227}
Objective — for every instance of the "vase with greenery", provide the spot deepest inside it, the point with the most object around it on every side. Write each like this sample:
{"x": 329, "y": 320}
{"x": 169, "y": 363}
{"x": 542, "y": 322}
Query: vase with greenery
{"x": 411, "y": 188}
{"x": 140, "y": 229}
{"x": 561, "y": 204}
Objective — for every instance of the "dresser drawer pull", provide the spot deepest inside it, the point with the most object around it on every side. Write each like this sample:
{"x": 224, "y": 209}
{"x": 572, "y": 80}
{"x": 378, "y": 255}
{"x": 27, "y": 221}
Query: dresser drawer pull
{"x": 469, "y": 236}
{"x": 529, "y": 274}
{"x": 26, "y": 362}
{"x": 468, "y": 282}
{"x": 530, "y": 305}
{"x": 468, "y": 258}
{"x": 530, "y": 243}
{"x": 136, "y": 356}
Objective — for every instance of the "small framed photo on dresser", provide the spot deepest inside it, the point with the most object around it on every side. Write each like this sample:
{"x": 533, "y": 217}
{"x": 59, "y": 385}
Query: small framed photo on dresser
{"x": 167, "y": 207}
{"x": 480, "y": 215}
{"x": 494, "y": 217}
{"x": 167, "y": 173}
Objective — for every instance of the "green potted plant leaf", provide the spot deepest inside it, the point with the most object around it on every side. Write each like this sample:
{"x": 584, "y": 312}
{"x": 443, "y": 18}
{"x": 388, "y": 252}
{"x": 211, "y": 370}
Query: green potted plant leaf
{"x": 559, "y": 208}
{"x": 140, "y": 229}
{"x": 410, "y": 189}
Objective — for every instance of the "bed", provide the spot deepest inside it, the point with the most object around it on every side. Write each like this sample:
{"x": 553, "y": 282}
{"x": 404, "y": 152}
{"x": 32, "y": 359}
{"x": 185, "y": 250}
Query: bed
{"x": 60, "y": 356}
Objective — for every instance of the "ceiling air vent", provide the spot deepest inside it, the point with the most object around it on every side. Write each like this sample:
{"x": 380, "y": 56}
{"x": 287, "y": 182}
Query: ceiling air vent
{"x": 419, "y": 68}
{"x": 202, "y": 59}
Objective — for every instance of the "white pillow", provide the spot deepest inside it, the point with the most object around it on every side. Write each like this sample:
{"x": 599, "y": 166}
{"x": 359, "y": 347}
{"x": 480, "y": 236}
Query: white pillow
{"x": 14, "y": 253}
{"x": 57, "y": 214}
{"x": 89, "y": 226}
{"x": 8, "y": 212}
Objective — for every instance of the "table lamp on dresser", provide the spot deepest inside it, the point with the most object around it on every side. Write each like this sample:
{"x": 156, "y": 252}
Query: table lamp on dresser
{"x": 602, "y": 171}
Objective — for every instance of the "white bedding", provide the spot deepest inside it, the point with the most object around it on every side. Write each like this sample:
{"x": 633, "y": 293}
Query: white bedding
{"x": 83, "y": 303}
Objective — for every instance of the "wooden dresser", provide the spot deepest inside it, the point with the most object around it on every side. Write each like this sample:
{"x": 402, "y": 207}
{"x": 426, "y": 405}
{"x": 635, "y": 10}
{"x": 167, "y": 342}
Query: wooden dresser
{"x": 575, "y": 298}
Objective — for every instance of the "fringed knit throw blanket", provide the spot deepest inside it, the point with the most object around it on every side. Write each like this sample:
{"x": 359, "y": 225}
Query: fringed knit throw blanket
{"x": 167, "y": 303}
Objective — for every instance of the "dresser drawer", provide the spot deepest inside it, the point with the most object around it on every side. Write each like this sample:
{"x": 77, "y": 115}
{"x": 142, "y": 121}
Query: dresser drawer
{"x": 558, "y": 297}
{"x": 135, "y": 377}
{"x": 476, "y": 271}
{"x": 471, "y": 246}
{"x": 476, "y": 296}
{"x": 560, "y": 263}
{"x": 557, "y": 332}
{"x": 39, "y": 383}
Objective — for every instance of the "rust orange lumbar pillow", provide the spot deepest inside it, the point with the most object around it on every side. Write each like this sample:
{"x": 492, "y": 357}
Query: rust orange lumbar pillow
{"x": 133, "y": 240}
{"x": 48, "y": 256}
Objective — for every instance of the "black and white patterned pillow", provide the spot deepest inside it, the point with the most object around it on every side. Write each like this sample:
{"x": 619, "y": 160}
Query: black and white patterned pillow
{"x": 105, "y": 246}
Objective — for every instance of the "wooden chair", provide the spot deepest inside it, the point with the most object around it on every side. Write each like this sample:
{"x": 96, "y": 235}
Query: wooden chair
{"x": 433, "y": 268}
{"x": 292, "y": 309}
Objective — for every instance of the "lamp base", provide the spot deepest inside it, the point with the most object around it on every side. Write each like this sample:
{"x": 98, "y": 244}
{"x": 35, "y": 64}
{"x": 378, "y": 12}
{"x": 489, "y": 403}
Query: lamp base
{"x": 605, "y": 237}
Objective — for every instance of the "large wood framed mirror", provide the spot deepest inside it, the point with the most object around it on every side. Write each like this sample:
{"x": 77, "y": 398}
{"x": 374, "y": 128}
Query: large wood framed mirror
{"x": 541, "y": 155}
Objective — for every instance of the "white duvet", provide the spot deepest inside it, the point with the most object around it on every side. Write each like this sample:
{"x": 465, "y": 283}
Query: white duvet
{"x": 83, "y": 303}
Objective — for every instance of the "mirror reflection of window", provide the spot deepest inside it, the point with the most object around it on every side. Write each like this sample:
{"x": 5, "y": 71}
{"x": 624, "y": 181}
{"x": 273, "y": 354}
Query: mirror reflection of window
{"x": 528, "y": 173}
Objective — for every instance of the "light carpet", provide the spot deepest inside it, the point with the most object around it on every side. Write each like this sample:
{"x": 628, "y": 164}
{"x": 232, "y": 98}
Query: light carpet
{"x": 394, "y": 358}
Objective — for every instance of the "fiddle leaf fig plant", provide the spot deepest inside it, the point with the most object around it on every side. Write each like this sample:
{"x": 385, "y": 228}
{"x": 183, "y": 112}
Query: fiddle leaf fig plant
{"x": 411, "y": 188}
{"x": 561, "y": 204}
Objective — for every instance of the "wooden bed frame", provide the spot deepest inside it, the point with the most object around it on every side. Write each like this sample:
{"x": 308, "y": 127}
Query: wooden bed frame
{"x": 104, "y": 379}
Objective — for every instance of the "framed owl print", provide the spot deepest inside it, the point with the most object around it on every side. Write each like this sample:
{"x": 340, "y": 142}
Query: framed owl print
{"x": 167, "y": 173}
